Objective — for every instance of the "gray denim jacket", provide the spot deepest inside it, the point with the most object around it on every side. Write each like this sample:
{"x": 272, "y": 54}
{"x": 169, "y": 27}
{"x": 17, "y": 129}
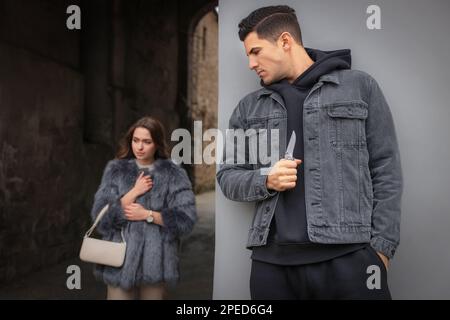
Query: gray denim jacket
{"x": 353, "y": 175}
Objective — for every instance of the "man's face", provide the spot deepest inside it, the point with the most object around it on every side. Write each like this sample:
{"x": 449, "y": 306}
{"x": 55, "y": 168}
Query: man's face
{"x": 266, "y": 58}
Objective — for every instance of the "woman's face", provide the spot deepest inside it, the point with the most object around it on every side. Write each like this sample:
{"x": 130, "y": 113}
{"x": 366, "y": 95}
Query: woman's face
{"x": 143, "y": 146}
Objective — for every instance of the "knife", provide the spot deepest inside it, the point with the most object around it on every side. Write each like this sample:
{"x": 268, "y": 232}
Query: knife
{"x": 289, "y": 155}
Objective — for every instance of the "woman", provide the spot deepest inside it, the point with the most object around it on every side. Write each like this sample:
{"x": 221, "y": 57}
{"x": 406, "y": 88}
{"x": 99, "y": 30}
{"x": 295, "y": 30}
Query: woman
{"x": 151, "y": 200}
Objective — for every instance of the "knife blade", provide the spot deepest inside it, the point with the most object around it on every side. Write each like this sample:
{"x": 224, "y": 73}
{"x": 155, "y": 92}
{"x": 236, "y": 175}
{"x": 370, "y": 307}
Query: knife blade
{"x": 289, "y": 154}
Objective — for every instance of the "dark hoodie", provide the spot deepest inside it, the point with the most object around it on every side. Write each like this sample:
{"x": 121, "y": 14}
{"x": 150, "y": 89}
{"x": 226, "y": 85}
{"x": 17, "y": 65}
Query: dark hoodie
{"x": 288, "y": 242}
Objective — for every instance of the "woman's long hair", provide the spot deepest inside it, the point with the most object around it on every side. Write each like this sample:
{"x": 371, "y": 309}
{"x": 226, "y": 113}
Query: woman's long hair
{"x": 156, "y": 130}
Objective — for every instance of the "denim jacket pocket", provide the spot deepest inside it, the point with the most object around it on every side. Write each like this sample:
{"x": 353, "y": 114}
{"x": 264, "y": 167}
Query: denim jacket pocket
{"x": 346, "y": 124}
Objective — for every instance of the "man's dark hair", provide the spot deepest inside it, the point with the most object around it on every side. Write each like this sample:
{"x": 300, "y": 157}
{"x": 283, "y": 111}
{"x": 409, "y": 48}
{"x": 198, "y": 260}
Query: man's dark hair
{"x": 270, "y": 22}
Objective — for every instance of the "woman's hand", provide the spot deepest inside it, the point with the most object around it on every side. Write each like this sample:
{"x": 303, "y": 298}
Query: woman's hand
{"x": 135, "y": 212}
{"x": 143, "y": 184}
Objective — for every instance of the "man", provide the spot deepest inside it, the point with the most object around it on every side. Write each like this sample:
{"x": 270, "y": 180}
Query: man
{"x": 330, "y": 216}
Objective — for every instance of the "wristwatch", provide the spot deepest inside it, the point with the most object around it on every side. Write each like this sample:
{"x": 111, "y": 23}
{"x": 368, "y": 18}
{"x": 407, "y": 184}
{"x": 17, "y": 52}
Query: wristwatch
{"x": 150, "y": 217}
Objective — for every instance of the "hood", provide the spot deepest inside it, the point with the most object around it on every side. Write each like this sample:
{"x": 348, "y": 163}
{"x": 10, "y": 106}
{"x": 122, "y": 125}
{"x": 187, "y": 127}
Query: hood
{"x": 324, "y": 63}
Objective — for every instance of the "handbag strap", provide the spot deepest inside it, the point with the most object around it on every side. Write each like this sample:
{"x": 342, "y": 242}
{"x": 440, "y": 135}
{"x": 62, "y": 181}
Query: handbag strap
{"x": 97, "y": 220}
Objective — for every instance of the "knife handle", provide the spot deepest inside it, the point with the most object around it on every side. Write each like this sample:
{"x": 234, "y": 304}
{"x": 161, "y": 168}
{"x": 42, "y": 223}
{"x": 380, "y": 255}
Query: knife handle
{"x": 288, "y": 157}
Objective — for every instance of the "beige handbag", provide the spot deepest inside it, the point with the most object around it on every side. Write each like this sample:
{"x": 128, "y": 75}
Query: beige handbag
{"x": 104, "y": 252}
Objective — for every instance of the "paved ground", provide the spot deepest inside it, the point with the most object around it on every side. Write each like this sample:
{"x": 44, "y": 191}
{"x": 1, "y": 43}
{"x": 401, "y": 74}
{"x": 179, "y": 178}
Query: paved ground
{"x": 196, "y": 267}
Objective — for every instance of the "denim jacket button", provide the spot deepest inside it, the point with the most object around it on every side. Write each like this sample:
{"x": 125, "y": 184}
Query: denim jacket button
{"x": 267, "y": 209}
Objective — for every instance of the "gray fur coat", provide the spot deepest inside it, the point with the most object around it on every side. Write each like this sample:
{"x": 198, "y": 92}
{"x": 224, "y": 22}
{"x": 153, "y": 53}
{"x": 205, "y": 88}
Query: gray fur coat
{"x": 152, "y": 250}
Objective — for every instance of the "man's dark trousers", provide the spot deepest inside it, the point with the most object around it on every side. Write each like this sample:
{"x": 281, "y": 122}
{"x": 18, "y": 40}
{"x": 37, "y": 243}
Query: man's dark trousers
{"x": 347, "y": 277}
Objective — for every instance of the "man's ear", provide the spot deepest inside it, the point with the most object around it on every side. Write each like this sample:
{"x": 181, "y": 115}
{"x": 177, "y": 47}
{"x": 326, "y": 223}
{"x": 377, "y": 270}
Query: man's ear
{"x": 286, "y": 40}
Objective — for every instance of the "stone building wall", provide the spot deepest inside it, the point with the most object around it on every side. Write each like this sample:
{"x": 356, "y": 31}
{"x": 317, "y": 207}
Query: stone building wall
{"x": 204, "y": 89}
